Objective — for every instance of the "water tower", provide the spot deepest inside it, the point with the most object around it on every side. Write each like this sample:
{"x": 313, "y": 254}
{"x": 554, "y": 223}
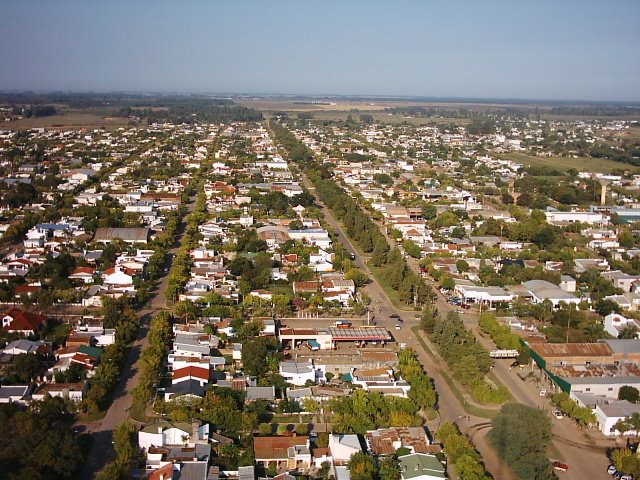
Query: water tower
{"x": 603, "y": 191}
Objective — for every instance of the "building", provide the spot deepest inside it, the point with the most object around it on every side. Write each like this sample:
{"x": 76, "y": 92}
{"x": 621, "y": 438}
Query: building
{"x": 542, "y": 290}
{"x": 421, "y": 466}
{"x": 609, "y": 414}
{"x": 25, "y": 323}
{"x": 615, "y": 324}
{"x": 288, "y": 452}
{"x": 127, "y": 235}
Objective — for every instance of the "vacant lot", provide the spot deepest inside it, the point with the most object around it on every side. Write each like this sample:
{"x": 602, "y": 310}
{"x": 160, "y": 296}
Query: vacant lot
{"x": 565, "y": 163}
{"x": 70, "y": 120}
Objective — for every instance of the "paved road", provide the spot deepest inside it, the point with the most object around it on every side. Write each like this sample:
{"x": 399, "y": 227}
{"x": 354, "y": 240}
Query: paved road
{"x": 585, "y": 455}
{"x": 449, "y": 407}
{"x": 101, "y": 431}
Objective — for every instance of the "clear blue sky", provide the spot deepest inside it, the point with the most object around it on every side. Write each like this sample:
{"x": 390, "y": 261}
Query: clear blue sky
{"x": 540, "y": 49}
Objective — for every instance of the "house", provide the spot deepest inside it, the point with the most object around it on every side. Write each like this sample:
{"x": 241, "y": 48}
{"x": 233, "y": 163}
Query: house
{"x": 386, "y": 441}
{"x": 614, "y": 324}
{"x": 298, "y": 373}
{"x": 163, "y": 433}
{"x": 289, "y": 452}
{"x": 199, "y": 374}
{"x": 421, "y": 466}
{"x": 22, "y": 346}
{"x": 184, "y": 390}
{"x": 343, "y": 446}
{"x": 83, "y": 274}
{"x": 73, "y": 391}
{"x": 261, "y": 393}
{"x": 13, "y": 393}
{"x": 24, "y": 323}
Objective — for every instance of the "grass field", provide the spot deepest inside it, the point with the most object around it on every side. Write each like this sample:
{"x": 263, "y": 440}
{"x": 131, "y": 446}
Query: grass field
{"x": 70, "y": 120}
{"x": 565, "y": 163}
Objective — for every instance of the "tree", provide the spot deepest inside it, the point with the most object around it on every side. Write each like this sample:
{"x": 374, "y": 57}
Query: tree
{"x": 25, "y": 367}
{"x": 388, "y": 469}
{"x": 520, "y": 435}
{"x": 358, "y": 276}
{"x": 361, "y": 467}
{"x": 462, "y": 266}
{"x": 629, "y": 393}
{"x": 629, "y": 332}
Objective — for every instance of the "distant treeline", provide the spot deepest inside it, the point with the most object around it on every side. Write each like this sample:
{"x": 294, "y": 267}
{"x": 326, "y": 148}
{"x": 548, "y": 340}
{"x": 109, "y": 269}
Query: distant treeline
{"x": 596, "y": 110}
{"x": 195, "y": 111}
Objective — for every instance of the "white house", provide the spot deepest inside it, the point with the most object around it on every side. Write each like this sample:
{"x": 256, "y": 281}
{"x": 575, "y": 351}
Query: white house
{"x": 161, "y": 434}
{"x": 614, "y": 324}
{"x": 298, "y": 373}
{"x": 343, "y": 446}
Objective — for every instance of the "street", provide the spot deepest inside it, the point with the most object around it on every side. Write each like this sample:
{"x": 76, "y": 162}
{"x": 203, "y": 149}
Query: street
{"x": 101, "y": 430}
{"x": 448, "y": 405}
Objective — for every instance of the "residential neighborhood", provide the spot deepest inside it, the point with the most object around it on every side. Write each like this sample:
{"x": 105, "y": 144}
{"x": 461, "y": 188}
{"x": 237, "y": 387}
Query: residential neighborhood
{"x": 290, "y": 298}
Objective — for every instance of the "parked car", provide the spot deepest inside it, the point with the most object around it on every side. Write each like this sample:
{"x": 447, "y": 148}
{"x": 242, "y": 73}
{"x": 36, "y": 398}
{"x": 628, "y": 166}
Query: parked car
{"x": 557, "y": 414}
{"x": 394, "y": 315}
{"x": 397, "y": 326}
{"x": 626, "y": 477}
{"x": 611, "y": 470}
{"x": 543, "y": 392}
{"x": 561, "y": 467}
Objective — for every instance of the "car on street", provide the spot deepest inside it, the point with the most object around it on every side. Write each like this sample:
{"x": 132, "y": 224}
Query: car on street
{"x": 398, "y": 326}
{"x": 394, "y": 315}
{"x": 561, "y": 467}
{"x": 611, "y": 470}
{"x": 543, "y": 392}
{"x": 557, "y": 414}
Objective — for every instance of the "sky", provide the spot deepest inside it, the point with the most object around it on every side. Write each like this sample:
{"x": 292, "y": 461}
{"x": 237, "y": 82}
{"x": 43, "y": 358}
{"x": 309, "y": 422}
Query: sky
{"x": 543, "y": 49}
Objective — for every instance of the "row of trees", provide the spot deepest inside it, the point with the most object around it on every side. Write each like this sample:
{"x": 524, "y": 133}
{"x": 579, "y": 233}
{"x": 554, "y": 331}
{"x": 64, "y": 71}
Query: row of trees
{"x": 125, "y": 444}
{"x": 584, "y": 416}
{"x": 468, "y": 360}
{"x": 501, "y": 335}
{"x": 358, "y": 224}
{"x": 118, "y": 314}
{"x": 152, "y": 358}
{"x": 461, "y": 453}
{"x": 422, "y": 391}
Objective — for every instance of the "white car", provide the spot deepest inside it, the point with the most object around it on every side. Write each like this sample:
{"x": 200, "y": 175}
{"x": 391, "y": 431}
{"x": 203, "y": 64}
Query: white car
{"x": 543, "y": 392}
{"x": 397, "y": 326}
{"x": 557, "y": 414}
{"x": 612, "y": 470}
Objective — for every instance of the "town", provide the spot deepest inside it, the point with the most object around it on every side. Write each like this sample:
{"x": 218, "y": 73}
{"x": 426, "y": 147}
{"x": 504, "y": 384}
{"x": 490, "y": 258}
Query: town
{"x": 219, "y": 290}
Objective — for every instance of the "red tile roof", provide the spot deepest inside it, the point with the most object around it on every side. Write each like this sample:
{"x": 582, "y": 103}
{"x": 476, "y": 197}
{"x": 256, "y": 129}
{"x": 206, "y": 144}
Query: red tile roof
{"x": 192, "y": 371}
{"x": 22, "y": 320}
{"x": 83, "y": 270}
{"x": 275, "y": 448}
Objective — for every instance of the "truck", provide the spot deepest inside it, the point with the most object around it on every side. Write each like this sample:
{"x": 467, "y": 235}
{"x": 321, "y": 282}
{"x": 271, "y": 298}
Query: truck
{"x": 342, "y": 324}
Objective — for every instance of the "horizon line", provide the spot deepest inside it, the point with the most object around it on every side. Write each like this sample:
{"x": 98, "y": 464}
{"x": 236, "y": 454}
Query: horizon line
{"x": 380, "y": 97}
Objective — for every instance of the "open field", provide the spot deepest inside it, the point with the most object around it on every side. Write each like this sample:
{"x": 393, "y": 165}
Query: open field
{"x": 565, "y": 163}
{"x": 71, "y": 120}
